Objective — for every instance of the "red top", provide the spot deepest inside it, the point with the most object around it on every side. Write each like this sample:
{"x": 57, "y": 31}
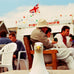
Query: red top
{"x": 64, "y": 40}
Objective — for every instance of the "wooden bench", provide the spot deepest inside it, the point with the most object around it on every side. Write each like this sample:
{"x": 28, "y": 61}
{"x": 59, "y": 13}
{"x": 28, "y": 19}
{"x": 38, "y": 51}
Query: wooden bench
{"x": 30, "y": 53}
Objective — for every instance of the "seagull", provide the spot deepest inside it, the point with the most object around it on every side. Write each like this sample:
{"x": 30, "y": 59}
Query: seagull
{"x": 38, "y": 66}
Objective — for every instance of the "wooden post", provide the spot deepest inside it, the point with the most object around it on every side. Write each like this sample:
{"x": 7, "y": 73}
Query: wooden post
{"x": 28, "y": 48}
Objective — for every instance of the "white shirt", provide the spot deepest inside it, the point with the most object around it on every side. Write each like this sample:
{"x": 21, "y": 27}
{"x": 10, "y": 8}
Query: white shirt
{"x": 60, "y": 43}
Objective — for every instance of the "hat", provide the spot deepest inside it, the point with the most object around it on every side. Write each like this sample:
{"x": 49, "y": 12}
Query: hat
{"x": 42, "y": 23}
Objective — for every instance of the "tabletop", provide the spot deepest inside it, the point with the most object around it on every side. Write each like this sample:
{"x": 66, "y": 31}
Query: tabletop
{"x": 50, "y": 71}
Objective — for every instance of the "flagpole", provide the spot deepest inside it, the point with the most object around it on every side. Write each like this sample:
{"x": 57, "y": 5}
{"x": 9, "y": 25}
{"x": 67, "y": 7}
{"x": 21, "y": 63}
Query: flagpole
{"x": 72, "y": 19}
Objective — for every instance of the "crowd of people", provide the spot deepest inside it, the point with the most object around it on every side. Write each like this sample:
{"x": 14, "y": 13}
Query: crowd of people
{"x": 42, "y": 33}
{"x": 62, "y": 41}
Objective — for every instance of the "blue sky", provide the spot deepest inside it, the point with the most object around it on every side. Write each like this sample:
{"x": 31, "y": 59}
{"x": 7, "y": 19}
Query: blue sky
{"x": 10, "y": 5}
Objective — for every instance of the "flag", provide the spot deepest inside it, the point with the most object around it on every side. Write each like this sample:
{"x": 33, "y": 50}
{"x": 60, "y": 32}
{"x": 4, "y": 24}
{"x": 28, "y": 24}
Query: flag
{"x": 16, "y": 22}
{"x": 60, "y": 15}
{"x": 70, "y": 15}
{"x": 35, "y": 9}
{"x": 23, "y": 16}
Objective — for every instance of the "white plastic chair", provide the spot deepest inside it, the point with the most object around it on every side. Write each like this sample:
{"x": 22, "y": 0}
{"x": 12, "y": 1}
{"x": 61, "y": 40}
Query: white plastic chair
{"x": 1, "y": 45}
{"x": 22, "y": 60}
{"x": 7, "y": 55}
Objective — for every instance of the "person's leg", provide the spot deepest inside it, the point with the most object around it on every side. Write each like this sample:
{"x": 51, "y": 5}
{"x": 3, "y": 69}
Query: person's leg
{"x": 1, "y": 69}
{"x": 66, "y": 55}
{"x": 72, "y": 50}
{"x": 22, "y": 64}
{"x": 5, "y": 69}
{"x": 15, "y": 64}
{"x": 70, "y": 62}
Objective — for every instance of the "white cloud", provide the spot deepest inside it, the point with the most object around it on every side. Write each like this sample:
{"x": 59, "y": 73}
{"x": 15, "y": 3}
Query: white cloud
{"x": 47, "y": 12}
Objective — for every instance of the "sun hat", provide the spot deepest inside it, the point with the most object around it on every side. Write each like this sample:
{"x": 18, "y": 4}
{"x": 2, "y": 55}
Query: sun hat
{"x": 42, "y": 23}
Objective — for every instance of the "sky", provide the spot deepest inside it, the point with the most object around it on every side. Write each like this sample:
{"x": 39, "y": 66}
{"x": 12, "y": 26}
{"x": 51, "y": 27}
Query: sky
{"x": 7, "y": 6}
{"x": 14, "y": 10}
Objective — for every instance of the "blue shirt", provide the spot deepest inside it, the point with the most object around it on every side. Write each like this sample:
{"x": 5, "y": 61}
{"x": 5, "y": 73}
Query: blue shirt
{"x": 5, "y": 40}
{"x": 20, "y": 47}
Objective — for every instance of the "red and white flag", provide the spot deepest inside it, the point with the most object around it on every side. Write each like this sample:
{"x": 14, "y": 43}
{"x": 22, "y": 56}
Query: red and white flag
{"x": 35, "y": 9}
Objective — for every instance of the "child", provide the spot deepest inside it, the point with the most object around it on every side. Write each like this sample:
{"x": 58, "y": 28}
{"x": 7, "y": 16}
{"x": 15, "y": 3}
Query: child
{"x": 48, "y": 33}
{"x": 72, "y": 40}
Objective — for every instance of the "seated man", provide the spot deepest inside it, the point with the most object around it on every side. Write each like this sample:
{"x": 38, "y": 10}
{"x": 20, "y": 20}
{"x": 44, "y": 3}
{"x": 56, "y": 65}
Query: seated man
{"x": 20, "y": 46}
{"x": 62, "y": 37}
{"x": 38, "y": 35}
{"x": 3, "y": 38}
{"x": 63, "y": 44}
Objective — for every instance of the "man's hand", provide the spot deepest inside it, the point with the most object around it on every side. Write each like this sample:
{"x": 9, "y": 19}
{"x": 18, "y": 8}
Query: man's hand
{"x": 14, "y": 56}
